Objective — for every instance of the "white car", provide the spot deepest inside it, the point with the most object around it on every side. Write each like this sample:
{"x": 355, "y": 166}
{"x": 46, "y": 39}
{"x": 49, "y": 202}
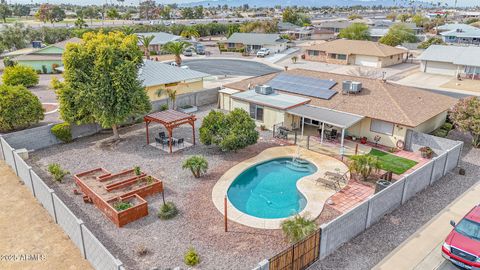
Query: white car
{"x": 263, "y": 52}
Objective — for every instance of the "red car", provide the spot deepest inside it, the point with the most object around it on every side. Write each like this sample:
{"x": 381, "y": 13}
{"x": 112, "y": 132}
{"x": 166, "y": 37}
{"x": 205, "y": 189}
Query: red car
{"x": 462, "y": 246}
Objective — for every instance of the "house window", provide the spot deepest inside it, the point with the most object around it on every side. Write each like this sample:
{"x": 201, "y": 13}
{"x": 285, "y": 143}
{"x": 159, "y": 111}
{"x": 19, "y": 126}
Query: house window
{"x": 342, "y": 56}
{"x": 313, "y": 53}
{"x": 231, "y": 45}
{"x": 333, "y": 56}
{"x": 380, "y": 126}
{"x": 256, "y": 112}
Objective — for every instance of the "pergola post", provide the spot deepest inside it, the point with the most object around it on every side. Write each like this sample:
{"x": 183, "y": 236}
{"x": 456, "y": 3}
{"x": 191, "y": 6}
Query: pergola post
{"x": 193, "y": 131}
{"x": 170, "y": 138}
{"x": 146, "y": 127}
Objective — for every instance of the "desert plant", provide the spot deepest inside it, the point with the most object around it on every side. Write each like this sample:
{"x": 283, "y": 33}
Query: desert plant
{"x": 294, "y": 59}
{"x": 62, "y": 132}
{"x": 121, "y": 205}
{"x": 141, "y": 250}
{"x": 364, "y": 165}
{"x": 198, "y": 165}
{"x": 137, "y": 170}
{"x": 167, "y": 211}
{"x": 297, "y": 228}
{"x": 163, "y": 107}
{"x": 20, "y": 75}
{"x": 191, "y": 258}
{"x": 19, "y": 108}
{"x": 465, "y": 115}
{"x": 57, "y": 172}
{"x": 426, "y": 151}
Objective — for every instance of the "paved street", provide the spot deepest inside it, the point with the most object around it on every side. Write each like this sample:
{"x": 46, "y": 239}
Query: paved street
{"x": 229, "y": 67}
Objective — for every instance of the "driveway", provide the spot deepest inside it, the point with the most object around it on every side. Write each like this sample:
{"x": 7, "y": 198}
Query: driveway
{"x": 229, "y": 67}
{"x": 47, "y": 96}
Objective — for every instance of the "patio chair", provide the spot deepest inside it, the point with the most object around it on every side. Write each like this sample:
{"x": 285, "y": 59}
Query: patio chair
{"x": 158, "y": 141}
{"x": 327, "y": 183}
{"x": 161, "y": 134}
{"x": 332, "y": 135}
{"x": 181, "y": 141}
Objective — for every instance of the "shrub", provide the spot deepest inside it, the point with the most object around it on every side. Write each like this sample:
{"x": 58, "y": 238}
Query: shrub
{"x": 297, "y": 228}
{"x": 20, "y": 75}
{"x": 137, "y": 170}
{"x": 7, "y": 62}
{"x": 164, "y": 107}
{"x": 63, "y": 132}
{"x": 167, "y": 211}
{"x": 120, "y": 205}
{"x": 364, "y": 165}
{"x": 447, "y": 126}
{"x": 426, "y": 151}
{"x": 232, "y": 131}
{"x": 57, "y": 172}
{"x": 198, "y": 165}
{"x": 440, "y": 133}
{"x": 19, "y": 108}
{"x": 191, "y": 258}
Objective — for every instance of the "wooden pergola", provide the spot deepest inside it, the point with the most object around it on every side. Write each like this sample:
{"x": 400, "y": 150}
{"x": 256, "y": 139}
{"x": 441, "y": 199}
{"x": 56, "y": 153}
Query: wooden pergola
{"x": 170, "y": 119}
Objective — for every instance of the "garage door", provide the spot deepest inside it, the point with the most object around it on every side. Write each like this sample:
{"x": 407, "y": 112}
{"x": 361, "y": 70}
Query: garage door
{"x": 440, "y": 68}
{"x": 367, "y": 61}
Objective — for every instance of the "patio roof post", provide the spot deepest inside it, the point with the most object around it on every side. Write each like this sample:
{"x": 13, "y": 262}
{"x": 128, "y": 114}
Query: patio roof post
{"x": 341, "y": 142}
{"x": 323, "y": 132}
{"x": 303, "y": 124}
{"x": 170, "y": 138}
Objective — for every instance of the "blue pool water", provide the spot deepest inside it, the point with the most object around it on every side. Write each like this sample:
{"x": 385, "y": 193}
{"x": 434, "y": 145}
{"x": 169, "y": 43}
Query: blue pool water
{"x": 268, "y": 190}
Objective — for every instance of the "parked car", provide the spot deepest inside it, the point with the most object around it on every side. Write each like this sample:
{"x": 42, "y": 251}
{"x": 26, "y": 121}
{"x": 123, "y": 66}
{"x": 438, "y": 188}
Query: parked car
{"x": 200, "y": 49}
{"x": 188, "y": 52}
{"x": 462, "y": 245}
{"x": 175, "y": 65}
{"x": 263, "y": 52}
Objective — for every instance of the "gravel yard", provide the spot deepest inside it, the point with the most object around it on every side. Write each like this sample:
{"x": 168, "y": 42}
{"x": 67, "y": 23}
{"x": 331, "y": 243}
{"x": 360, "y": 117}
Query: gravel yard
{"x": 199, "y": 223}
{"x": 370, "y": 247}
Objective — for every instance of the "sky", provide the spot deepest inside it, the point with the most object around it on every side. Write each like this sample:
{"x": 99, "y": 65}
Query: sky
{"x": 134, "y": 2}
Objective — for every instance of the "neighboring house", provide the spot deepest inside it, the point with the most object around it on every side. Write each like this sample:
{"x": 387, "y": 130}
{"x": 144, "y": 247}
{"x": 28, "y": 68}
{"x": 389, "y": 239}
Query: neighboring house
{"x": 309, "y": 33}
{"x": 380, "y": 29}
{"x": 160, "y": 38}
{"x": 46, "y": 59}
{"x": 355, "y": 52}
{"x": 252, "y": 42}
{"x": 455, "y": 26}
{"x": 286, "y": 26}
{"x": 157, "y": 75}
{"x": 451, "y": 60}
{"x": 335, "y": 26}
{"x": 306, "y": 100}
{"x": 460, "y": 36}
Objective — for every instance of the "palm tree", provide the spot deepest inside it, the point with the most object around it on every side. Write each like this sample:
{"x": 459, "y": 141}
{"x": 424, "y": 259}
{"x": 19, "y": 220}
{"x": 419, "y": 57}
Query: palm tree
{"x": 171, "y": 94}
{"x": 146, "y": 40}
{"x": 198, "y": 165}
{"x": 298, "y": 228}
{"x": 190, "y": 33}
{"x": 364, "y": 165}
{"x": 176, "y": 48}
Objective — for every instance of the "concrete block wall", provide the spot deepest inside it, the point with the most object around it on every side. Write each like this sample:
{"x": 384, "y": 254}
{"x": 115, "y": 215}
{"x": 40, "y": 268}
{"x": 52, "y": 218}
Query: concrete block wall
{"x": 385, "y": 201}
{"x": 417, "y": 181}
{"x": 439, "y": 163}
{"x": 414, "y": 140}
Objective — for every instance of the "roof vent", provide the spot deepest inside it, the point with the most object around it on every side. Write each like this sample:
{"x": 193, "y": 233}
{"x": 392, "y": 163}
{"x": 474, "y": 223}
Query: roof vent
{"x": 351, "y": 87}
{"x": 263, "y": 89}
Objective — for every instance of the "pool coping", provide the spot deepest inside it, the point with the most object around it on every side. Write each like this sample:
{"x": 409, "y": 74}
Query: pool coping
{"x": 315, "y": 194}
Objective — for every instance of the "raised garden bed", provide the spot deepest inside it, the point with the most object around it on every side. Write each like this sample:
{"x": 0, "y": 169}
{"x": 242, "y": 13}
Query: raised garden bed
{"x": 119, "y": 196}
{"x": 188, "y": 109}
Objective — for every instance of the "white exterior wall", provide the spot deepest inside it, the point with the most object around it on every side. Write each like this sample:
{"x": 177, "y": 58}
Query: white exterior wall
{"x": 441, "y": 68}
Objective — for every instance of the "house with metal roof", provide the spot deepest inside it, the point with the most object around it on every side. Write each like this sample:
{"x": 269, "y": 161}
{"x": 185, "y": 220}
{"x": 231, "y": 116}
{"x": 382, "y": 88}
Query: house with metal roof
{"x": 252, "y": 42}
{"x": 159, "y": 39}
{"x": 462, "y": 36}
{"x": 312, "y": 102}
{"x": 46, "y": 59}
{"x": 451, "y": 60}
{"x": 355, "y": 52}
{"x": 156, "y": 75}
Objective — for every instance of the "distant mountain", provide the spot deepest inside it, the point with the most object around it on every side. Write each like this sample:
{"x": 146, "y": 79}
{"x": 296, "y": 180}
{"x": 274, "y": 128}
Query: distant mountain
{"x": 313, "y": 3}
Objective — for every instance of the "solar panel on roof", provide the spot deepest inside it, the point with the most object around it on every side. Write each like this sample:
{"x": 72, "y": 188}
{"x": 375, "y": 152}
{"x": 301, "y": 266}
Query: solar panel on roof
{"x": 303, "y": 85}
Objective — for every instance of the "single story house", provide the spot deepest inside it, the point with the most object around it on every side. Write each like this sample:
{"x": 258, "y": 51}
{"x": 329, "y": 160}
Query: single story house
{"x": 307, "y": 101}
{"x": 46, "y": 59}
{"x": 460, "y": 36}
{"x": 157, "y": 75}
{"x": 335, "y": 26}
{"x": 455, "y": 26}
{"x": 309, "y": 33}
{"x": 160, "y": 38}
{"x": 451, "y": 60}
{"x": 355, "y": 52}
{"x": 252, "y": 42}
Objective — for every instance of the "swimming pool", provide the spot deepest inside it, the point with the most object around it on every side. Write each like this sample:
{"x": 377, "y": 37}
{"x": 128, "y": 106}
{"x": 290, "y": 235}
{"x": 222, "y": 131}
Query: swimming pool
{"x": 268, "y": 190}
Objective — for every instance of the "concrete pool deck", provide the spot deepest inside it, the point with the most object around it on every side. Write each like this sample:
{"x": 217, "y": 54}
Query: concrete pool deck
{"x": 315, "y": 193}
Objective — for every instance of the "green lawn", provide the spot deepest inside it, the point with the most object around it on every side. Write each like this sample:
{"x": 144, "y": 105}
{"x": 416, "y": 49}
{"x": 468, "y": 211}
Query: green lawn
{"x": 389, "y": 162}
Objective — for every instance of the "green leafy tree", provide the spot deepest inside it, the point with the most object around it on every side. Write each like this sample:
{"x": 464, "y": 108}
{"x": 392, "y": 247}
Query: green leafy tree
{"x": 14, "y": 36}
{"x": 232, "y": 28}
{"x": 101, "y": 81}
{"x": 146, "y": 41}
{"x": 176, "y": 48}
{"x": 5, "y": 11}
{"x": 21, "y": 10}
{"x": 146, "y": 9}
{"x": 20, "y": 75}
{"x": 431, "y": 41}
{"x": 198, "y": 12}
{"x": 356, "y": 31}
{"x": 292, "y": 15}
{"x": 198, "y": 165}
{"x": 230, "y": 132}
{"x": 354, "y": 16}
{"x": 57, "y": 14}
{"x": 165, "y": 13}
{"x": 419, "y": 20}
{"x": 391, "y": 16}
{"x": 298, "y": 228}
{"x": 364, "y": 165}
{"x": 187, "y": 13}
{"x": 113, "y": 14}
{"x": 398, "y": 34}
{"x": 90, "y": 13}
{"x": 403, "y": 17}
{"x": 80, "y": 23}
{"x": 19, "y": 108}
{"x": 50, "y": 13}
{"x": 465, "y": 115}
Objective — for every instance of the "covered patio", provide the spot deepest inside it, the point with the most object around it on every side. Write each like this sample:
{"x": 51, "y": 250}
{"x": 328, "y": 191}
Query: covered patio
{"x": 170, "y": 119}
{"x": 325, "y": 123}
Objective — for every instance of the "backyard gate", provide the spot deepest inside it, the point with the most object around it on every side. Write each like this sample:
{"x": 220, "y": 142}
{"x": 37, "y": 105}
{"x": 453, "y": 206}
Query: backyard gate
{"x": 299, "y": 256}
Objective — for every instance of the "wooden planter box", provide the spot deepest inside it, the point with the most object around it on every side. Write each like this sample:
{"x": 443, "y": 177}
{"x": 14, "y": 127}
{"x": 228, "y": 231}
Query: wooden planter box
{"x": 138, "y": 210}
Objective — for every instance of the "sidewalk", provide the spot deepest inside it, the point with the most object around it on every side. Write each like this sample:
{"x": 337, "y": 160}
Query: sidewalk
{"x": 422, "y": 249}
{"x": 30, "y": 239}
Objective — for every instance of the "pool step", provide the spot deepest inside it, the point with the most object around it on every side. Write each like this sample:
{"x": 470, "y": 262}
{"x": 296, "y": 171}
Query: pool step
{"x": 297, "y": 167}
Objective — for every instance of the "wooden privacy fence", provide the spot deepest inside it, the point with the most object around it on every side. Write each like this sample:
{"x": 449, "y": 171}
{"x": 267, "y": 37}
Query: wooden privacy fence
{"x": 298, "y": 256}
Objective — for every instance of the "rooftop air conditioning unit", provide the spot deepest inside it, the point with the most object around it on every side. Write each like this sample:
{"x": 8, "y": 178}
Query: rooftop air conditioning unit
{"x": 263, "y": 89}
{"x": 356, "y": 87}
{"x": 346, "y": 86}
